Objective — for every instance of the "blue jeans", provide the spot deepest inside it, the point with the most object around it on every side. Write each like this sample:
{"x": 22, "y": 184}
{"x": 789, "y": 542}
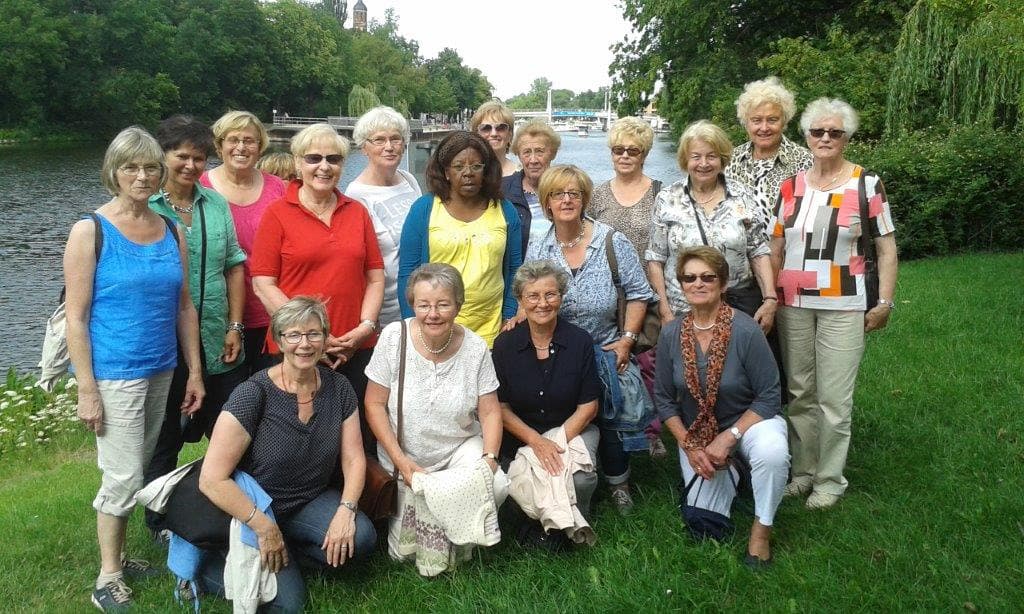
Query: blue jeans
{"x": 304, "y": 533}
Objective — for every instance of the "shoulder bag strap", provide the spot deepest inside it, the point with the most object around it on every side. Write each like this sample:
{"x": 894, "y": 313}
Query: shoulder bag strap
{"x": 613, "y": 264}
{"x": 656, "y": 185}
{"x": 700, "y": 226}
{"x": 866, "y": 234}
{"x": 97, "y": 246}
{"x": 402, "y": 351}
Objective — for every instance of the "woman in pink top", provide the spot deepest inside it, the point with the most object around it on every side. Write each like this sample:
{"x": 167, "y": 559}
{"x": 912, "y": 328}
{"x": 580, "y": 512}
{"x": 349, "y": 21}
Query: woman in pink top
{"x": 240, "y": 138}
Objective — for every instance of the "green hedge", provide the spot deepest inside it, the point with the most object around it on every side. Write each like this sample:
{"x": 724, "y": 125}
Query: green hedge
{"x": 952, "y": 189}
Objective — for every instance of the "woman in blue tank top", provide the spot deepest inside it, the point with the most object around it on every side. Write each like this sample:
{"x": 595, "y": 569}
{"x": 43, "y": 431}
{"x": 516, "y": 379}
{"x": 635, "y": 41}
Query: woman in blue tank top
{"x": 126, "y": 311}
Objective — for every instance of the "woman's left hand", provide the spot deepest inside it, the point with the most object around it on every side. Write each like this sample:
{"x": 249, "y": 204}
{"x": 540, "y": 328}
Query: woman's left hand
{"x": 765, "y": 315}
{"x": 335, "y": 353}
{"x": 720, "y": 448}
{"x": 232, "y": 346}
{"x": 876, "y": 318}
{"x": 194, "y": 393}
{"x": 339, "y": 543}
{"x": 621, "y": 349}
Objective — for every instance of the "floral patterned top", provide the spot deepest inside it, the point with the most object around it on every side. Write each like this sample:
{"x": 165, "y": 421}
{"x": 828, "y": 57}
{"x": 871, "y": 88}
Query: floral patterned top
{"x": 591, "y": 300}
{"x": 732, "y": 228}
{"x": 763, "y": 177}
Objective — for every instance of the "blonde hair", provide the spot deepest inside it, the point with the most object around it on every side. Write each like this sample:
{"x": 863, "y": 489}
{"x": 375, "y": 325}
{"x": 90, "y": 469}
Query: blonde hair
{"x": 765, "y": 91}
{"x": 557, "y": 178}
{"x": 278, "y": 163}
{"x": 305, "y": 138}
{"x": 537, "y": 128}
{"x": 492, "y": 107}
{"x": 703, "y": 130}
{"x": 233, "y": 121}
{"x": 631, "y": 128}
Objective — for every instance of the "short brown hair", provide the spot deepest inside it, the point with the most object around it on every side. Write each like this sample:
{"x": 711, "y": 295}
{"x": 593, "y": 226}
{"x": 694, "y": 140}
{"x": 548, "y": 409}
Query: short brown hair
{"x": 709, "y": 256}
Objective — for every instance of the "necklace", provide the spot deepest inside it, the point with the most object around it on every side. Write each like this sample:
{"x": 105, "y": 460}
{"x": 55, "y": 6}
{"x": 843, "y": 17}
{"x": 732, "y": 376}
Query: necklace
{"x": 708, "y": 327}
{"x": 714, "y": 192}
{"x": 440, "y": 350}
{"x": 186, "y": 210}
{"x": 298, "y": 399}
{"x": 576, "y": 241}
{"x": 831, "y": 182}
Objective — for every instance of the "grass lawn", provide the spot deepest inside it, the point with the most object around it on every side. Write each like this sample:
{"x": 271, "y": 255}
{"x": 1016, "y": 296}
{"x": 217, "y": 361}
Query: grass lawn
{"x": 933, "y": 519}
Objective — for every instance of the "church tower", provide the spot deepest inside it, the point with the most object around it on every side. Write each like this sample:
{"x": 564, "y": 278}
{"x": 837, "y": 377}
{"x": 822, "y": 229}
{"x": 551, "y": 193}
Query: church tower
{"x": 359, "y": 16}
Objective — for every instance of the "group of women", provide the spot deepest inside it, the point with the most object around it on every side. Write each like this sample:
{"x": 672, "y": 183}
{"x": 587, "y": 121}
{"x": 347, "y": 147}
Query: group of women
{"x": 479, "y": 340}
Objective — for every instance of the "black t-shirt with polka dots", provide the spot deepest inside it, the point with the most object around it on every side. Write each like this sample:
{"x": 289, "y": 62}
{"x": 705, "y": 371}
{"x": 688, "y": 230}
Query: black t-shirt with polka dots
{"x": 292, "y": 461}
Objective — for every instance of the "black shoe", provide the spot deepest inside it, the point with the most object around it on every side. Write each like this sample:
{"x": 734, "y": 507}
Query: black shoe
{"x": 756, "y": 563}
{"x": 533, "y": 536}
{"x": 115, "y": 596}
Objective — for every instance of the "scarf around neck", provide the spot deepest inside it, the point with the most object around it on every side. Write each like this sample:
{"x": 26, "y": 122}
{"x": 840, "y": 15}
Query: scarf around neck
{"x": 705, "y": 427}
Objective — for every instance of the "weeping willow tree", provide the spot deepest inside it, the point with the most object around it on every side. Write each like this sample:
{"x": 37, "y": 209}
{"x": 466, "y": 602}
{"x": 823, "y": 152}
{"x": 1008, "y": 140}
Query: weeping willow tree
{"x": 361, "y": 100}
{"x": 961, "y": 60}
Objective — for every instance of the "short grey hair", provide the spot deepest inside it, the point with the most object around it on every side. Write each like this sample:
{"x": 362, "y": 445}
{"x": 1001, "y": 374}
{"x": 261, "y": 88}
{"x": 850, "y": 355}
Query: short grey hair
{"x": 296, "y": 312}
{"x": 131, "y": 144}
{"x": 830, "y": 107}
{"x": 302, "y": 141}
{"x": 765, "y": 91}
{"x": 535, "y": 270}
{"x": 379, "y": 119}
{"x": 437, "y": 274}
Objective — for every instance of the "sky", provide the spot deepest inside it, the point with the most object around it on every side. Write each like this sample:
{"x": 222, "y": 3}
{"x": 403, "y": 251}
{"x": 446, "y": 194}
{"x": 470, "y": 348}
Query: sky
{"x": 514, "y": 42}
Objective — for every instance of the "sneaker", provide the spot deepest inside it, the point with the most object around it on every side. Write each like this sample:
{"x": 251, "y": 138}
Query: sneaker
{"x": 656, "y": 447}
{"x": 161, "y": 537}
{"x": 796, "y": 489}
{"x": 138, "y": 569}
{"x": 115, "y": 596}
{"x": 821, "y": 501}
{"x": 185, "y": 592}
{"x": 622, "y": 500}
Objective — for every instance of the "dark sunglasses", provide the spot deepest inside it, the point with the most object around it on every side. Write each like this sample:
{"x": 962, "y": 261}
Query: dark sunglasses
{"x": 485, "y": 128}
{"x": 633, "y": 152}
{"x": 689, "y": 278}
{"x": 833, "y": 133}
{"x": 334, "y": 159}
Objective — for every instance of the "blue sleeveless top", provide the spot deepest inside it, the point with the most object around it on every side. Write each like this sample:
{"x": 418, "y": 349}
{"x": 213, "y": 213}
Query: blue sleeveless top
{"x": 135, "y": 294}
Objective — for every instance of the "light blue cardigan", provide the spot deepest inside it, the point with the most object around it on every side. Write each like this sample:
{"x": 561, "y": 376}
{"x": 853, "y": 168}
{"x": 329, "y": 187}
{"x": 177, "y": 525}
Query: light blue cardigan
{"x": 414, "y": 250}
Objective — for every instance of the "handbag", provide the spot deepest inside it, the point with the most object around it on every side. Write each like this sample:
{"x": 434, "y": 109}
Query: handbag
{"x": 867, "y": 247}
{"x": 193, "y": 517}
{"x": 704, "y": 524}
{"x": 748, "y": 298}
{"x": 651, "y": 328}
{"x": 379, "y": 500}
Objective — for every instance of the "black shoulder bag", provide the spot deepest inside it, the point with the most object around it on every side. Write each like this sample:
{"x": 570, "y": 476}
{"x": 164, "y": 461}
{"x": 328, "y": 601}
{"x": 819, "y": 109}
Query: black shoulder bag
{"x": 867, "y": 245}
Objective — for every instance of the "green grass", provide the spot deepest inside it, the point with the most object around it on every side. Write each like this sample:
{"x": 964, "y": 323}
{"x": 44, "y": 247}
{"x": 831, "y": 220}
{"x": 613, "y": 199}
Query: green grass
{"x": 932, "y": 520}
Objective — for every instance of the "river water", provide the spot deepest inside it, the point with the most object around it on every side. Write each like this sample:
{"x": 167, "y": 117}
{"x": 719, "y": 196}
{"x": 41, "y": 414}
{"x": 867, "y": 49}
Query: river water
{"x": 45, "y": 189}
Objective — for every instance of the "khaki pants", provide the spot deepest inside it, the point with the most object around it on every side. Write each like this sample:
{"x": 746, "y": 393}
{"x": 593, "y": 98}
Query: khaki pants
{"x": 821, "y": 350}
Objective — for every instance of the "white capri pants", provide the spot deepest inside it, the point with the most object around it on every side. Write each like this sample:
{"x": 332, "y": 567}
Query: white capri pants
{"x": 133, "y": 412}
{"x": 766, "y": 448}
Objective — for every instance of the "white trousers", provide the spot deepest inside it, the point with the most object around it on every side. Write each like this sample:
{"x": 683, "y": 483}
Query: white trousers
{"x": 765, "y": 447}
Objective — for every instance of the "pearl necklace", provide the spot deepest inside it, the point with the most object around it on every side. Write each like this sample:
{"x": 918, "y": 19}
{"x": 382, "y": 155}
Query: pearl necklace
{"x": 708, "y": 327}
{"x": 186, "y": 210}
{"x": 440, "y": 350}
{"x": 576, "y": 241}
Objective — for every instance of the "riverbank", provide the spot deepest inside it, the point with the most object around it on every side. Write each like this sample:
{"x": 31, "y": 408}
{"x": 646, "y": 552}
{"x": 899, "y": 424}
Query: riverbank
{"x": 931, "y": 521}
{"x": 45, "y": 136}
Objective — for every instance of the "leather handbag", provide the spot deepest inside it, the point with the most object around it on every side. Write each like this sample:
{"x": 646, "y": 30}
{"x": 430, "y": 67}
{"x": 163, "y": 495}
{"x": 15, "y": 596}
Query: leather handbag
{"x": 648, "y": 334}
{"x": 704, "y": 524}
{"x": 193, "y": 517}
{"x": 379, "y": 500}
{"x": 867, "y": 247}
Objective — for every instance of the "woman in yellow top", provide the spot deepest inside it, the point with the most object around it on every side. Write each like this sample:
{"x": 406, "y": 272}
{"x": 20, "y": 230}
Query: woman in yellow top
{"x": 464, "y": 222}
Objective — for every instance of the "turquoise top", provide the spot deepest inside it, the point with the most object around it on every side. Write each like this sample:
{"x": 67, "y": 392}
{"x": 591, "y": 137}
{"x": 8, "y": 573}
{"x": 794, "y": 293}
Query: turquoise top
{"x": 222, "y": 253}
{"x": 134, "y": 312}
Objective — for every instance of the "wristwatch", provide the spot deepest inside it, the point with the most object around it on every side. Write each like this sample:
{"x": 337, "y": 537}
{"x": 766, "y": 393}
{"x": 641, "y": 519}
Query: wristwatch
{"x": 631, "y": 335}
{"x": 885, "y": 301}
{"x": 489, "y": 455}
{"x": 349, "y": 505}
{"x": 371, "y": 324}
{"x": 736, "y": 433}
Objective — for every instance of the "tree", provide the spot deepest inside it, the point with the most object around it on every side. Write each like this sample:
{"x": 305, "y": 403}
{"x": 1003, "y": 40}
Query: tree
{"x": 966, "y": 56}
{"x": 468, "y": 85}
{"x": 361, "y": 100}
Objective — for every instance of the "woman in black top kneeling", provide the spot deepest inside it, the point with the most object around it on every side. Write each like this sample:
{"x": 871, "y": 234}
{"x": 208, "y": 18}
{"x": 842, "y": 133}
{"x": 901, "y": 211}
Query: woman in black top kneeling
{"x": 285, "y": 427}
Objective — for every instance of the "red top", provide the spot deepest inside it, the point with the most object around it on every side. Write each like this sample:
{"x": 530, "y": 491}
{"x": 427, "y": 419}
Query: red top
{"x": 308, "y": 257}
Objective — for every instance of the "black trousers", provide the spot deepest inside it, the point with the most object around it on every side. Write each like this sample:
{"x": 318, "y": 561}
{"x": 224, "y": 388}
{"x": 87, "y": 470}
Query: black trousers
{"x": 178, "y": 429}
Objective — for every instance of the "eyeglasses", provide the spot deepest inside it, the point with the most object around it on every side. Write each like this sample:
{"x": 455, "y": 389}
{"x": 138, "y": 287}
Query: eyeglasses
{"x": 441, "y": 308}
{"x": 548, "y": 297}
{"x": 248, "y": 142}
{"x": 334, "y": 159}
{"x": 313, "y": 336}
{"x": 472, "y": 168}
{"x": 132, "y": 170}
{"x": 487, "y": 128}
{"x": 633, "y": 152}
{"x": 833, "y": 133}
{"x": 529, "y": 153}
{"x": 689, "y": 278}
{"x": 381, "y": 141}
{"x": 572, "y": 194}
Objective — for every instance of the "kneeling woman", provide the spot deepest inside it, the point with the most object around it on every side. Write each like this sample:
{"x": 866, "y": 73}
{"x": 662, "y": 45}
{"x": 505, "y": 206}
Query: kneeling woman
{"x": 285, "y": 427}
{"x": 431, "y": 403}
{"x": 717, "y": 363}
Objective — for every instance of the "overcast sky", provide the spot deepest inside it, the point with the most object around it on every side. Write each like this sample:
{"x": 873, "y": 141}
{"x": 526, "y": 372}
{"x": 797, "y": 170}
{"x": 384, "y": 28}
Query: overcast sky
{"x": 514, "y": 42}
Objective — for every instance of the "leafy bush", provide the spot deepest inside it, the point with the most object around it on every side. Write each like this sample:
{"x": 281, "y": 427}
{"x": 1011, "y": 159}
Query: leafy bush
{"x": 952, "y": 189}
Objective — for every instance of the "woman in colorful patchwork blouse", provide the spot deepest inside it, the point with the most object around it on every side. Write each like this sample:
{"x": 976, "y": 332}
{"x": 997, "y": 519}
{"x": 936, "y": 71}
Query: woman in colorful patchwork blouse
{"x": 708, "y": 208}
{"x": 819, "y": 241}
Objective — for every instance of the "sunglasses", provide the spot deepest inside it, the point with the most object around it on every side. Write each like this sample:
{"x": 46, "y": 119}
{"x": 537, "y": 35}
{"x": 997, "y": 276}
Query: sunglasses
{"x": 833, "y": 133}
{"x": 334, "y": 159}
{"x": 633, "y": 152}
{"x": 689, "y": 278}
{"x": 485, "y": 128}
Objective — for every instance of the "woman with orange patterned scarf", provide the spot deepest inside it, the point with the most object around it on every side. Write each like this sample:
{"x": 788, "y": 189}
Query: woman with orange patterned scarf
{"x": 716, "y": 388}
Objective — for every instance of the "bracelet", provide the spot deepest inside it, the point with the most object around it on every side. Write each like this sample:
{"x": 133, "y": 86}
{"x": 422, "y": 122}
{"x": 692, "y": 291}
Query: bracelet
{"x": 351, "y": 506}
{"x": 251, "y": 514}
{"x": 371, "y": 324}
{"x": 237, "y": 327}
{"x": 770, "y": 298}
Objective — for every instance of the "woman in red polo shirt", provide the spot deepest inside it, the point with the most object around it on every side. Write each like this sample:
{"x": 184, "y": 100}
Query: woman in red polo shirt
{"x": 318, "y": 242}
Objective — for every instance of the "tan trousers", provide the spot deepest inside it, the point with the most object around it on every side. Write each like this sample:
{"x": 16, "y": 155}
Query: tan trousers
{"x": 821, "y": 351}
